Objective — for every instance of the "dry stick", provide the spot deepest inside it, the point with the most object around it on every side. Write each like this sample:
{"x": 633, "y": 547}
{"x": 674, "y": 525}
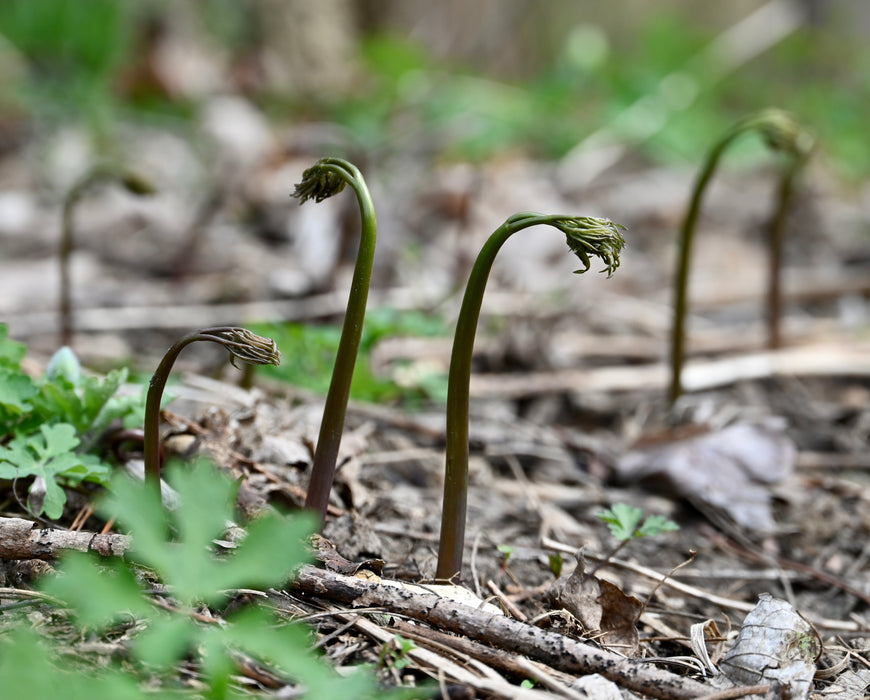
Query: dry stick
{"x": 489, "y": 682}
{"x": 496, "y": 658}
{"x": 554, "y": 649}
{"x": 21, "y": 539}
{"x": 729, "y": 693}
{"x": 828, "y": 360}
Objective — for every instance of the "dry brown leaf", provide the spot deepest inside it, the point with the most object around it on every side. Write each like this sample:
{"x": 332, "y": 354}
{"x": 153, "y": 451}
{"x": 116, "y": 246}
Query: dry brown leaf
{"x": 600, "y": 606}
{"x": 728, "y": 469}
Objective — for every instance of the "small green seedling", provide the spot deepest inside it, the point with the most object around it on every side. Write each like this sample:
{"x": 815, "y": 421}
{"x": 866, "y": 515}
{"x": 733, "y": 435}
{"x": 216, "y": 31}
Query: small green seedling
{"x": 241, "y": 344}
{"x": 626, "y": 523}
{"x": 395, "y": 653}
{"x": 130, "y": 181}
{"x": 783, "y": 134}
{"x": 585, "y": 236}
{"x": 556, "y": 563}
{"x": 506, "y": 552}
{"x": 528, "y": 684}
{"x": 325, "y": 178}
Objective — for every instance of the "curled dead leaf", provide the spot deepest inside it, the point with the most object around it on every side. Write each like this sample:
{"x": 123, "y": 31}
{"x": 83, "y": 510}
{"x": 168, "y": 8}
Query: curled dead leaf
{"x": 600, "y": 606}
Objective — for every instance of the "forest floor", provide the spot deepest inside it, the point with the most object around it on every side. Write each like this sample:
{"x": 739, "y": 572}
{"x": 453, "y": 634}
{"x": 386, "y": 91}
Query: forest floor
{"x": 762, "y": 464}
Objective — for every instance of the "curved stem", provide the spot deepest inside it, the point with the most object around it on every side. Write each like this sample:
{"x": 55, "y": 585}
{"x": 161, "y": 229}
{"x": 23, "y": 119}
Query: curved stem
{"x": 453, "y": 516}
{"x": 684, "y": 254}
{"x": 241, "y": 344}
{"x": 133, "y": 183}
{"x": 335, "y": 409}
{"x": 781, "y": 133}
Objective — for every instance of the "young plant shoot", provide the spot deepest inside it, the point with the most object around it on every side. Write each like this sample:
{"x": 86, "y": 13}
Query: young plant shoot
{"x": 783, "y": 134}
{"x": 130, "y": 181}
{"x": 242, "y": 345}
{"x": 585, "y": 237}
{"x": 325, "y": 178}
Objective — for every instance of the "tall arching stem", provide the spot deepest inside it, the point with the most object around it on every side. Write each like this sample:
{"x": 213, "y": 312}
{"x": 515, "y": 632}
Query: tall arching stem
{"x": 328, "y": 177}
{"x": 781, "y": 133}
{"x": 585, "y": 236}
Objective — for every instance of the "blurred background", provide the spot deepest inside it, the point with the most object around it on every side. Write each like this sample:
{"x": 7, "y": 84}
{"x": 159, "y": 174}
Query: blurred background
{"x": 467, "y": 80}
{"x": 458, "y": 113}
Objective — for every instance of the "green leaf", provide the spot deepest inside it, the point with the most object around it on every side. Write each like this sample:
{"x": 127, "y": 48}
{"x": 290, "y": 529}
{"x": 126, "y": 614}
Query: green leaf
{"x": 622, "y": 519}
{"x": 656, "y": 525}
{"x": 556, "y": 563}
{"x": 87, "y": 405}
{"x": 288, "y": 647}
{"x": 99, "y": 591}
{"x": 271, "y": 538}
{"x": 273, "y": 548}
{"x": 141, "y": 511}
{"x": 16, "y": 389}
{"x": 11, "y": 352}
{"x": 46, "y": 455}
{"x": 169, "y": 637}
{"x": 28, "y": 671}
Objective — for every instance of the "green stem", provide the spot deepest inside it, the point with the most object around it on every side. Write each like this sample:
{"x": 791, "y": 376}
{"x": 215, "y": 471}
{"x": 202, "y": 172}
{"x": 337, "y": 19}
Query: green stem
{"x": 781, "y": 133}
{"x": 241, "y": 344}
{"x": 319, "y": 182}
{"x": 684, "y": 254}
{"x": 453, "y": 516}
{"x": 102, "y": 172}
{"x": 784, "y": 196}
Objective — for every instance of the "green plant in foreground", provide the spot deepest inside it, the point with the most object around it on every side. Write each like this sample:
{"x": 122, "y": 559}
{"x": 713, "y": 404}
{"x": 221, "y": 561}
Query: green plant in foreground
{"x": 132, "y": 182}
{"x": 325, "y": 178}
{"x": 585, "y": 236}
{"x": 50, "y": 427}
{"x": 782, "y": 133}
{"x": 241, "y": 344}
{"x": 107, "y": 594}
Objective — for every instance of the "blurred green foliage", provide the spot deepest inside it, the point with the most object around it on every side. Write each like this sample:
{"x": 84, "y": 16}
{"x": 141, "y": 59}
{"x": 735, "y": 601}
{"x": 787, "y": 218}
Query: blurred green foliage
{"x": 308, "y": 355}
{"x": 72, "y": 51}
{"x": 406, "y": 100}
{"x": 820, "y": 77}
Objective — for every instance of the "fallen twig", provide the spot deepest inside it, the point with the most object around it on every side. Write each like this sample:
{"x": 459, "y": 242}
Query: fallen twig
{"x": 556, "y": 650}
{"x": 815, "y": 360}
{"x": 22, "y": 539}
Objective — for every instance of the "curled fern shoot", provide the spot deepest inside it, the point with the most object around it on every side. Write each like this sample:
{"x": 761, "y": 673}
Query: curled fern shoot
{"x": 585, "y": 237}
{"x": 328, "y": 177}
{"x": 130, "y": 181}
{"x": 782, "y": 134}
{"x": 242, "y": 345}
